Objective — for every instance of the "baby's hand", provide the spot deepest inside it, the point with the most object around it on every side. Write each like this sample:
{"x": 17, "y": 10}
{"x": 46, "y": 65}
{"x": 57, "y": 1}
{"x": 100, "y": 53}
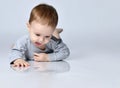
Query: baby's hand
{"x": 20, "y": 63}
{"x": 40, "y": 57}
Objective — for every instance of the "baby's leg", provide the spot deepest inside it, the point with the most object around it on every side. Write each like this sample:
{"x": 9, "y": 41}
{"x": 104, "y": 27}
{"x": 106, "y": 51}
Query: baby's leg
{"x": 57, "y": 32}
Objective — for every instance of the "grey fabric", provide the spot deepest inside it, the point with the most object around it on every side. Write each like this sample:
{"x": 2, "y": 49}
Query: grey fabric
{"x": 24, "y": 48}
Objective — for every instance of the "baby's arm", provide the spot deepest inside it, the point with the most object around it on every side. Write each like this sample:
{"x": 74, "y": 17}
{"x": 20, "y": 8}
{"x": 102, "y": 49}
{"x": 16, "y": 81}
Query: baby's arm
{"x": 17, "y": 55}
{"x": 60, "y": 51}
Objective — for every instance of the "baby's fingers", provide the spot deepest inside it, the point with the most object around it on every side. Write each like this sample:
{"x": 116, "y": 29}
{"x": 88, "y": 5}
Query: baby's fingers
{"x": 16, "y": 65}
{"x": 36, "y": 58}
{"x": 22, "y": 64}
{"x": 36, "y": 54}
{"x": 26, "y": 64}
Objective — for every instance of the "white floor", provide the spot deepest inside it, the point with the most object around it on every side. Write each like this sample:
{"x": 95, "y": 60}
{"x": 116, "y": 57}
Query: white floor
{"x": 83, "y": 69}
{"x": 92, "y": 32}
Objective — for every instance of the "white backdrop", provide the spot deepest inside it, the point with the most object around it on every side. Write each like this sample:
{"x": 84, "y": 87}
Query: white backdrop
{"x": 91, "y": 31}
{"x": 88, "y": 24}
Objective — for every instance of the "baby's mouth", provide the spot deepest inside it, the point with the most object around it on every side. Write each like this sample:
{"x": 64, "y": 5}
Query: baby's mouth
{"x": 38, "y": 44}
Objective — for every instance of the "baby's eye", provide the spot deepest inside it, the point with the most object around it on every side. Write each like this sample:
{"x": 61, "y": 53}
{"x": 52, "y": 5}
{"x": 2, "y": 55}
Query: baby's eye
{"x": 37, "y": 34}
{"x": 47, "y": 36}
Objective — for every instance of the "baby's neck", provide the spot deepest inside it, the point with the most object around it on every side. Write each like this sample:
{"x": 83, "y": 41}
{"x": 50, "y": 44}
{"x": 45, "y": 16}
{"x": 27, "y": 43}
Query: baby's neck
{"x": 42, "y": 47}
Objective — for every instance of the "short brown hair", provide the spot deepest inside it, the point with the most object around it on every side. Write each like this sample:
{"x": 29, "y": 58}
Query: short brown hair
{"x": 44, "y": 13}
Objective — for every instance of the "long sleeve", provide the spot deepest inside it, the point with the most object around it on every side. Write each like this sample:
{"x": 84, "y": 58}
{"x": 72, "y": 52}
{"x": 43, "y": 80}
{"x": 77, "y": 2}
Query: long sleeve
{"x": 60, "y": 51}
{"x": 18, "y": 50}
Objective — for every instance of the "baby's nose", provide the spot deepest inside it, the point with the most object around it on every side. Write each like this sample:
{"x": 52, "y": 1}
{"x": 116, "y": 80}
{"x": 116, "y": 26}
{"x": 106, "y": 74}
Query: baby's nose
{"x": 41, "y": 39}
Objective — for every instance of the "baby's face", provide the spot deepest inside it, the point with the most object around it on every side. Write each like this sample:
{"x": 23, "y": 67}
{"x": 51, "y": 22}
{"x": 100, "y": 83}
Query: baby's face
{"x": 40, "y": 34}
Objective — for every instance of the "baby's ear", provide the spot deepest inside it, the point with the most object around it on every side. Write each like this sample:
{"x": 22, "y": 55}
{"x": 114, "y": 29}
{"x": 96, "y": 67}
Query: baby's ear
{"x": 28, "y": 25}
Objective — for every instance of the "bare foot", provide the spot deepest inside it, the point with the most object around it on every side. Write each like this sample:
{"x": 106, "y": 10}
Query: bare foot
{"x": 57, "y": 32}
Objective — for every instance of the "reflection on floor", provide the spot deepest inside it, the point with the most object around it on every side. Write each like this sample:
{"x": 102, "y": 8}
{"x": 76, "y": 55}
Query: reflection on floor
{"x": 85, "y": 70}
{"x": 47, "y": 67}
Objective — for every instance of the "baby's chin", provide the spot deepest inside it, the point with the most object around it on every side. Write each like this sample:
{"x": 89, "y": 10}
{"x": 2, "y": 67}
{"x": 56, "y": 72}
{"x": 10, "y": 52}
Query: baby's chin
{"x": 39, "y": 45}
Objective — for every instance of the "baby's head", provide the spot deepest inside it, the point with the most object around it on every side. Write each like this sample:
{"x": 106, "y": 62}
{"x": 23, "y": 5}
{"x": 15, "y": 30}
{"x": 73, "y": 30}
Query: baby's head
{"x": 42, "y": 23}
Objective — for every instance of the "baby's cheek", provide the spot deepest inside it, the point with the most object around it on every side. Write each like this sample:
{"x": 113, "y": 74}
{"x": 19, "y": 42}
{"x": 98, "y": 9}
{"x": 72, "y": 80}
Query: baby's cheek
{"x": 34, "y": 39}
{"x": 47, "y": 41}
